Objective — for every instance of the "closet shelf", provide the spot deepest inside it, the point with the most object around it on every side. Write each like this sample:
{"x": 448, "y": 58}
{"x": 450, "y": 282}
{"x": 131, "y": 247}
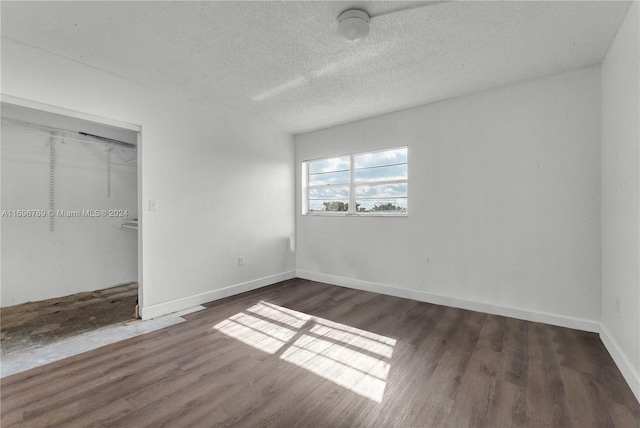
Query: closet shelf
{"x": 130, "y": 224}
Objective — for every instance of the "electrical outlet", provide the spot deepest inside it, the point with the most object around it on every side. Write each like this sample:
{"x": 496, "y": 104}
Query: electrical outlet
{"x": 240, "y": 260}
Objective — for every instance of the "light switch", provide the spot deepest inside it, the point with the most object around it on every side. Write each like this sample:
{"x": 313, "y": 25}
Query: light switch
{"x": 153, "y": 205}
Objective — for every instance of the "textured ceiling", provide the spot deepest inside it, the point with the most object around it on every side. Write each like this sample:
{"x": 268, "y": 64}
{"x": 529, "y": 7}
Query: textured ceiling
{"x": 282, "y": 62}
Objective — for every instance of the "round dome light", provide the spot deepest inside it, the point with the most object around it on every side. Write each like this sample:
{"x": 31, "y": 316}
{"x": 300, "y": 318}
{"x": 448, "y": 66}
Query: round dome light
{"x": 353, "y": 24}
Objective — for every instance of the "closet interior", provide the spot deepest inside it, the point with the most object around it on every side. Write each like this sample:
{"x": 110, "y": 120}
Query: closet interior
{"x": 69, "y": 226}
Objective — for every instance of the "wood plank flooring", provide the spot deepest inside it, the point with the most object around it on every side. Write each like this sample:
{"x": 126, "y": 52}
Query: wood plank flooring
{"x": 307, "y": 354}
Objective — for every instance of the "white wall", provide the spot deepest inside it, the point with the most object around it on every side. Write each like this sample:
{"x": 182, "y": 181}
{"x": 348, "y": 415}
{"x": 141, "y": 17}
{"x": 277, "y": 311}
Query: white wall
{"x": 224, "y": 185}
{"x": 81, "y": 253}
{"x": 621, "y": 199}
{"x": 504, "y": 204}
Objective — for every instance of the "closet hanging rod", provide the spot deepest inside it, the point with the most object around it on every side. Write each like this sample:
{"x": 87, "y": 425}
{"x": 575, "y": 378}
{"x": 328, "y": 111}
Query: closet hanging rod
{"x": 108, "y": 140}
{"x": 47, "y": 129}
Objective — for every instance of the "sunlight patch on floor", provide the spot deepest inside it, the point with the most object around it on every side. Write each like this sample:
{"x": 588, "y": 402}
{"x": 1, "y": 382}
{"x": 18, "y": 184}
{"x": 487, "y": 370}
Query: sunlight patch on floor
{"x": 256, "y": 332}
{"x": 355, "y": 359}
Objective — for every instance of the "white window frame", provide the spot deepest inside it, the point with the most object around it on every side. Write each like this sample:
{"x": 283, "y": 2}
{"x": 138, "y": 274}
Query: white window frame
{"x": 352, "y": 188}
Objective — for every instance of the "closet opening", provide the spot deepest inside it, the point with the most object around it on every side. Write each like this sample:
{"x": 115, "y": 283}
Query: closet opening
{"x": 69, "y": 226}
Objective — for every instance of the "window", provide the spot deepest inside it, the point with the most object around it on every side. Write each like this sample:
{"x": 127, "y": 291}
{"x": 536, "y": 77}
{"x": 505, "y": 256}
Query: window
{"x": 373, "y": 183}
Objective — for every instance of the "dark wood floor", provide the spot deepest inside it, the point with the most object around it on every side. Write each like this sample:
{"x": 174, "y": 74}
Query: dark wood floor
{"x": 301, "y": 353}
{"x": 34, "y": 324}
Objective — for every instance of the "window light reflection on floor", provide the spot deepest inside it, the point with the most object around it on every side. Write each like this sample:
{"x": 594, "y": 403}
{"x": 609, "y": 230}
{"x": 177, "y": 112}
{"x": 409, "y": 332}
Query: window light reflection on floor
{"x": 355, "y": 359}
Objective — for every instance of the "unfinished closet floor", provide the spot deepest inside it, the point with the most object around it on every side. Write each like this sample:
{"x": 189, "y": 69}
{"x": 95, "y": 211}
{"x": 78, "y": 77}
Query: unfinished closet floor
{"x": 35, "y": 324}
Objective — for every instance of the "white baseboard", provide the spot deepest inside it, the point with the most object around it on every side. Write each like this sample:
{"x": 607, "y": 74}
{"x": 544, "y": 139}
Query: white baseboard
{"x": 553, "y": 319}
{"x": 627, "y": 369}
{"x": 154, "y": 311}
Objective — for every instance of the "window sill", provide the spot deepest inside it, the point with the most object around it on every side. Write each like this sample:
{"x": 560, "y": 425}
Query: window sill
{"x": 339, "y": 214}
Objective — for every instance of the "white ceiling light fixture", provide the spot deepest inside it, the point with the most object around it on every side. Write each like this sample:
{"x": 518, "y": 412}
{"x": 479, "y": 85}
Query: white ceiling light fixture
{"x": 353, "y": 24}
